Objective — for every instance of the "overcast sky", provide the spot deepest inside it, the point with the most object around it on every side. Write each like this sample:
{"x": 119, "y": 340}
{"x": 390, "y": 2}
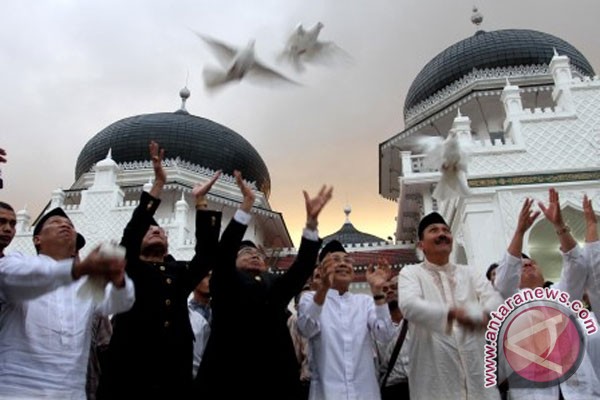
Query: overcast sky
{"x": 70, "y": 68}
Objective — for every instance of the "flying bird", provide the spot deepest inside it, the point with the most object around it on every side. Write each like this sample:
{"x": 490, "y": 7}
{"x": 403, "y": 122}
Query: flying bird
{"x": 237, "y": 64}
{"x": 303, "y": 45}
{"x": 450, "y": 156}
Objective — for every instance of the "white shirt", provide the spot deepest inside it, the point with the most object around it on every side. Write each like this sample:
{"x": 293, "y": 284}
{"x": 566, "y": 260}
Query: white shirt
{"x": 201, "y": 329}
{"x": 399, "y": 372}
{"x": 445, "y": 361}
{"x": 572, "y": 277}
{"x": 46, "y": 327}
{"x": 342, "y": 352}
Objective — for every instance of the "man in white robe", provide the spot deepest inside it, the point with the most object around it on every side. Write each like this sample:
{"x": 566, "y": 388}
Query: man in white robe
{"x": 447, "y": 306}
{"x": 46, "y": 323}
{"x": 339, "y": 325}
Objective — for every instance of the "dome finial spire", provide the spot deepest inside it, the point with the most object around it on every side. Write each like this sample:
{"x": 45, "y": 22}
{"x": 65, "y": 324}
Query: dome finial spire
{"x": 476, "y": 17}
{"x": 184, "y": 94}
{"x": 347, "y": 211}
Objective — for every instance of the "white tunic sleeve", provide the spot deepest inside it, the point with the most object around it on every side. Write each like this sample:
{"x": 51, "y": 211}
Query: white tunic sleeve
{"x": 592, "y": 256}
{"x": 309, "y": 313}
{"x": 574, "y": 273}
{"x": 489, "y": 298}
{"x": 508, "y": 275}
{"x": 117, "y": 300}
{"x": 26, "y": 277}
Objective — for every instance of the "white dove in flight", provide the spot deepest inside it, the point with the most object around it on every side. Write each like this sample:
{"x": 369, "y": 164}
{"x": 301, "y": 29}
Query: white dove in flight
{"x": 450, "y": 156}
{"x": 237, "y": 63}
{"x": 303, "y": 45}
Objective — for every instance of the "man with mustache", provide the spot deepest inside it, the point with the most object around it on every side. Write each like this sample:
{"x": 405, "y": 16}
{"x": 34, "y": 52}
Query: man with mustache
{"x": 447, "y": 307}
{"x": 340, "y": 327}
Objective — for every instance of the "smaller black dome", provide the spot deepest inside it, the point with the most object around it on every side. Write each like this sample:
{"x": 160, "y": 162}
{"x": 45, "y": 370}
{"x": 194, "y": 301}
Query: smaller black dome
{"x": 193, "y": 139}
{"x": 502, "y": 48}
{"x": 348, "y": 234}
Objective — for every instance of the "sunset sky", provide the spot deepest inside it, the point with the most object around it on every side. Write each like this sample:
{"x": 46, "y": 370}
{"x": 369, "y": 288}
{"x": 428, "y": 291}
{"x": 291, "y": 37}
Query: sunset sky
{"x": 70, "y": 68}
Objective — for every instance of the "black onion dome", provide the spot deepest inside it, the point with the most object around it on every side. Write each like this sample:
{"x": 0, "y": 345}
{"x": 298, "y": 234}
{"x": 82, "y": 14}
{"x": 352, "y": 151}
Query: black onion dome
{"x": 502, "y": 48}
{"x": 193, "y": 139}
{"x": 348, "y": 234}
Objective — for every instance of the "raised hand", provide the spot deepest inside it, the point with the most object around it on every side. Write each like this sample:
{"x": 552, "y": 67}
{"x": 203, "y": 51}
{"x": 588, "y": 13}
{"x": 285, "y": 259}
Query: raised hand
{"x": 326, "y": 274}
{"x": 554, "y": 215}
{"x": 201, "y": 190}
{"x": 552, "y": 212}
{"x": 247, "y": 193}
{"x": 156, "y": 155}
{"x": 591, "y": 221}
{"x": 588, "y": 211}
{"x": 325, "y": 280}
{"x": 315, "y": 205}
{"x": 526, "y": 216}
{"x": 526, "y": 219}
{"x": 378, "y": 276}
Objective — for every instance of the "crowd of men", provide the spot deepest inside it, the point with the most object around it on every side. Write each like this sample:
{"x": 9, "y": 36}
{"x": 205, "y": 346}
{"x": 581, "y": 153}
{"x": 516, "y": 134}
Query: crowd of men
{"x": 219, "y": 325}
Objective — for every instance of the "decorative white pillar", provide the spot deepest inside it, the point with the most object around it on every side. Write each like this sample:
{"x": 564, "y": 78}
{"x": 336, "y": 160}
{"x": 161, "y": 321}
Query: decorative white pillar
{"x": 462, "y": 126}
{"x": 563, "y": 78}
{"x": 105, "y": 177}
{"x": 23, "y": 219}
{"x": 181, "y": 212}
{"x": 513, "y": 107}
{"x": 57, "y": 199}
{"x": 406, "y": 163}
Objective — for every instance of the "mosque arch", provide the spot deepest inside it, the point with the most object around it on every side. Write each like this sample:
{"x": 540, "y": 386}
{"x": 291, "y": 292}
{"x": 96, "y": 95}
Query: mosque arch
{"x": 543, "y": 244}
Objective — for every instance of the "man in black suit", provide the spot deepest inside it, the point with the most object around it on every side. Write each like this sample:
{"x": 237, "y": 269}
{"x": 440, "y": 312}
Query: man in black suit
{"x": 250, "y": 351}
{"x": 150, "y": 352}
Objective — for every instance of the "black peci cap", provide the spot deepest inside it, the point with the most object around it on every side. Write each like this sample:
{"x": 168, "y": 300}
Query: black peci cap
{"x": 331, "y": 247}
{"x": 430, "y": 219}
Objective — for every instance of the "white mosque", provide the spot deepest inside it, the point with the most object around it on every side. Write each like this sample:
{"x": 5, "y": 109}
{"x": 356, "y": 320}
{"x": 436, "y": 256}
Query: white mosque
{"x": 528, "y": 104}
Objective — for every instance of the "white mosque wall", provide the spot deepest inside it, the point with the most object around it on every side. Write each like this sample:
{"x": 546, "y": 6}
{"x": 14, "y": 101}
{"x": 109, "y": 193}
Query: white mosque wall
{"x": 100, "y": 213}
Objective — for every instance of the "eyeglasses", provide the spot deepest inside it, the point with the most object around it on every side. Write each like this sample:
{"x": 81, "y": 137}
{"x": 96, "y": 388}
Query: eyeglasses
{"x": 251, "y": 252}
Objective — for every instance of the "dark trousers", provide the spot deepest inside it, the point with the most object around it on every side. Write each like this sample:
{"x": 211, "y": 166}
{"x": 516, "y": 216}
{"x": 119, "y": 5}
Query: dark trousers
{"x": 399, "y": 391}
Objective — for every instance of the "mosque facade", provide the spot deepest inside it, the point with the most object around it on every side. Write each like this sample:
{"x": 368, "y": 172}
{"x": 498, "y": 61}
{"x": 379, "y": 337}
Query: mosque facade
{"x": 527, "y": 105}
